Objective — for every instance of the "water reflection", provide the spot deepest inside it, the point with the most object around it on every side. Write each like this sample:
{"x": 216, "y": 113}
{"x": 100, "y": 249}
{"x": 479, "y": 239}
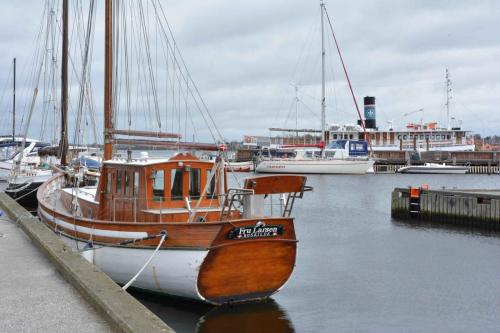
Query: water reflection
{"x": 187, "y": 316}
{"x": 265, "y": 316}
{"x": 446, "y": 227}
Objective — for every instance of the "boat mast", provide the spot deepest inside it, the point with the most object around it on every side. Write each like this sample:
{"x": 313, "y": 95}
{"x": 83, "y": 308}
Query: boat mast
{"x": 108, "y": 82}
{"x": 448, "y": 98}
{"x": 14, "y": 105}
{"x": 64, "y": 88}
{"x": 323, "y": 103}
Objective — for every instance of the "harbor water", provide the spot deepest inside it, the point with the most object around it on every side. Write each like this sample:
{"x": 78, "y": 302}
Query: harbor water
{"x": 358, "y": 270}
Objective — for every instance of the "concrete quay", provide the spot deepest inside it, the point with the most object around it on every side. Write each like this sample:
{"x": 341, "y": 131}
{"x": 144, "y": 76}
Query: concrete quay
{"x": 36, "y": 298}
{"x": 470, "y": 208}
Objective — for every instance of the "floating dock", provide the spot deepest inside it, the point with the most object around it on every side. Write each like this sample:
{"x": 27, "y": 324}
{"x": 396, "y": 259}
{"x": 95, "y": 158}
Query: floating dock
{"x": 36, "y": 300}
{"x": 471, "y": 208}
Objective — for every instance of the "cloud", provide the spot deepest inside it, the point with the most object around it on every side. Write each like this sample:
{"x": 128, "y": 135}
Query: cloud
{"x": 245, "y": 55}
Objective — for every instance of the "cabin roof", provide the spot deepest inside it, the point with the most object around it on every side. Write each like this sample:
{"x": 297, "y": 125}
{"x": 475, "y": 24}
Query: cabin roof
{"x": 184, "y": 157}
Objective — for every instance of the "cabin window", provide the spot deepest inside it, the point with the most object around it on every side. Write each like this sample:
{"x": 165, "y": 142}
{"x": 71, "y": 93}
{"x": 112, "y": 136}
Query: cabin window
{"x": 108, "y": 182}
{"x": 158, "y": 185}
{"x": 335, "y": 137}
{"x": 211, "y": 188}
{"x": 448, "y": 136}
{"x": 136, "y": 183}
{"x": 176, "y": 184}
{"x": 119, "y": 181}
{"x": 194, "y": 183}
{"x": 351, "y": 136}
{"x": 329, "y": 154}
{"x": 127, "y": 183}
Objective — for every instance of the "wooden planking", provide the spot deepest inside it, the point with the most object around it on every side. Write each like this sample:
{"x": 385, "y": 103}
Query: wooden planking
{"x": 179, "y": 234}
{"x": 248, "y": 268}
{"x": 276, "y": 184}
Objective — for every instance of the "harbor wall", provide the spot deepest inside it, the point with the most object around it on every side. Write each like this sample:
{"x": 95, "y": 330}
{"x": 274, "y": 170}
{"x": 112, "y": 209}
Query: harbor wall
{"x": 473, "y": 169}
{"x": 470, "y": 208}
{"x": 120, "y": 309}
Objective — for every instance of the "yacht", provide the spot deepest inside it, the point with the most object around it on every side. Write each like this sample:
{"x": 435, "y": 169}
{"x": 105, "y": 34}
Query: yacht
{"x": 339, "y": 157}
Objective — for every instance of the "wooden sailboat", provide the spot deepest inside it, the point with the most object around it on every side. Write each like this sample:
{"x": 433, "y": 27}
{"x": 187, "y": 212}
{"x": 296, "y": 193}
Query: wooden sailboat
{"x": 174, "y": 226}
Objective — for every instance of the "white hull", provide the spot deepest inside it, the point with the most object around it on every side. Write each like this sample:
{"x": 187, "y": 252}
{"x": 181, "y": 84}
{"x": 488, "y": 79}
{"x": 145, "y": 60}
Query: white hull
{"x": 315, "y": 166}
{"x": 172, "y": 272}
{"x": 440, "y": 148}
{"x": 240, "y": 166}
{"x": 433, "y": 170}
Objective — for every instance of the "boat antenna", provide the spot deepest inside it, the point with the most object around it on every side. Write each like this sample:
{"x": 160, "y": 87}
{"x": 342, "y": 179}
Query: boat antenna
{"x": 348, "y": 79}
{"x": 448, "y": 98}
{"x": 323, "y": 102}
{"x": 63, "y": 147}
{"x": 14, "y": 104}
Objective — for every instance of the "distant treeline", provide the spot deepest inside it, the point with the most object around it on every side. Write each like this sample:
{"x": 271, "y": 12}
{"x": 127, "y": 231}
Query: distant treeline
{"x": 495, "y": 139}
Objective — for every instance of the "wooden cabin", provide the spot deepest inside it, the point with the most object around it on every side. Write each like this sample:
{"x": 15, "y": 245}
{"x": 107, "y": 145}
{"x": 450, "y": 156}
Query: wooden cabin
{"x": 159, "y": 190}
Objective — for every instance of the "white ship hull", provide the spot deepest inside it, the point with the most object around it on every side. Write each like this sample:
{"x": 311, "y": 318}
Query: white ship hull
{"x": 357, "y": 167}
{"x": 421, "y": 169}
{"x": 172, "y": 272}
{"x": 440, "y": 148}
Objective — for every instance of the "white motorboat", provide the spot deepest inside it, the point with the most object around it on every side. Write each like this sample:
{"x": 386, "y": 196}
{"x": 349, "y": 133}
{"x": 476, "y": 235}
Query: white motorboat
{"x": 434, "y": 168}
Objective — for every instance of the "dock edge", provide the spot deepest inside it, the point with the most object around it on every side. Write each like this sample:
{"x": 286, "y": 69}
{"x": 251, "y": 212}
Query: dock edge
{"x": 119, "y": 308}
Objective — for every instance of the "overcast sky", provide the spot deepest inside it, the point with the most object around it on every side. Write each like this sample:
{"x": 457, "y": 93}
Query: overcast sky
{"x": 247, "y": 56}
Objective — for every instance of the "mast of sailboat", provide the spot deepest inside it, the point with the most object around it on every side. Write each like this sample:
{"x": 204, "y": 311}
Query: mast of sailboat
{"x": 14, "y": 105}
{"x": 63, "y": 146}
{"x": 108, "y": 81}
{"x": 448, "y": 98}
{"x": 323, "y": 102}
{"x": 367, "y": 138}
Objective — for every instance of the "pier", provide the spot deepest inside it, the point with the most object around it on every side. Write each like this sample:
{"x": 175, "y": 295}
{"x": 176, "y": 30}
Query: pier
{"x": 477, "y": 162}
{"x": 469, "y": 208}
{"x": 80, "y": 299}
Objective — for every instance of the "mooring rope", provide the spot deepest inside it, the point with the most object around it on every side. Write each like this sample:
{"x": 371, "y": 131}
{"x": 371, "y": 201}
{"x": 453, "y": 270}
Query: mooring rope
{"x": 163, "y": 237}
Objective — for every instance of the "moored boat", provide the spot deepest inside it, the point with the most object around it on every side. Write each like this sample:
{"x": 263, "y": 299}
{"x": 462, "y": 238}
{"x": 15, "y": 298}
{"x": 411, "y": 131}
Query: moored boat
{"x": 173, "y": 226}
{"x": 341, "y": 157}
{"x": 434, "y": 168}
{"x": 208, "y": 249}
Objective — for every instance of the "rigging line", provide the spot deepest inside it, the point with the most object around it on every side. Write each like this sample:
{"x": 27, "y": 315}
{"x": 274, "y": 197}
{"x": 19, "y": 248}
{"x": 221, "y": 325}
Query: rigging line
{"x": 142, "y": 88}
{"x": 347, "y": 77}
{"x": 190, "y": 78}
{"x": 127, "y": 78}
{"x": 24, "y": 95}
{"x": 84, "y": 72}
{"x": 174, "y": 61}
{"x": 310, "y": 110}
{"x": 89, "y": 96}
{"x": 150, "y": 65}
{"x": 165, "y": 52}
{"x": 141, "y": 91}
{"x": 289, "y": 114}
{"x": 5, "y": 87}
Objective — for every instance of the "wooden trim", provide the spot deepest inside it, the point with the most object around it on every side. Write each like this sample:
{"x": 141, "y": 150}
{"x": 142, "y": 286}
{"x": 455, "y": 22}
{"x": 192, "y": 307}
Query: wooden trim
{"x": 149, "y": 134}
{"x": 275, "y": 184}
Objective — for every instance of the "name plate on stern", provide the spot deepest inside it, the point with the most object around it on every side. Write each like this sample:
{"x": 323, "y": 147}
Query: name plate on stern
{"x": 255, "y": 232}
